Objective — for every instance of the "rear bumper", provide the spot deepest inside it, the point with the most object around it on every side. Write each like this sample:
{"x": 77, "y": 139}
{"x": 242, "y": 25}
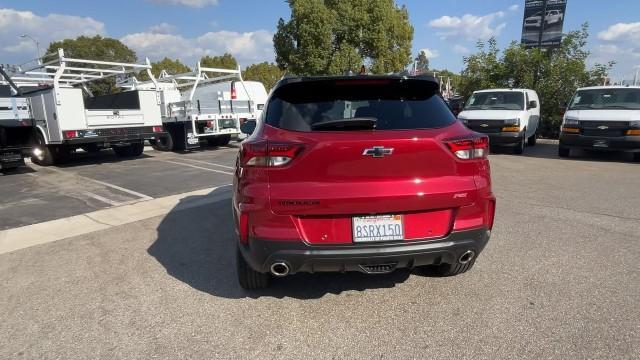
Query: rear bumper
{"x": 116, "y": 135}
{"x": 505, "y": 138}
{"x": 301, "y": 257}
{"x": 13, "y": 157}
{"x": 618, "y": 143}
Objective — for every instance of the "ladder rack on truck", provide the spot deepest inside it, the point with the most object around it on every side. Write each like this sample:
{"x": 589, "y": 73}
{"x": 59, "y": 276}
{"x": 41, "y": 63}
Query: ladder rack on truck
{"x": 68, "y": 116}
{"x": 17, "y": 128}
{"x": 194, "y": 108}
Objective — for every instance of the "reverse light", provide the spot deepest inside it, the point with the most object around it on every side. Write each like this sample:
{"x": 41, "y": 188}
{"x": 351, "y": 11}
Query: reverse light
{"x": 266, "y": 154}
{"x": 469, "y": 148}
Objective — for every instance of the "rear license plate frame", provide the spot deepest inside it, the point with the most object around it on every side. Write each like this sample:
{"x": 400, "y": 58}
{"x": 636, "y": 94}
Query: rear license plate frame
{"x": 379, "y": 228}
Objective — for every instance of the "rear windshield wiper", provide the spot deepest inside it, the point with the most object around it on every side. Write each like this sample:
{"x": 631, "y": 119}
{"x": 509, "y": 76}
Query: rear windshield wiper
{"x": 356, "y": 123}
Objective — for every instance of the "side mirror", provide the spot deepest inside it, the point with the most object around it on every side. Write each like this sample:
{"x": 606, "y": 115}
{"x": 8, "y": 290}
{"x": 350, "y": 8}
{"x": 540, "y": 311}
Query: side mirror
{"x": 248, "y": 127}
{"x": 533, "y": 104}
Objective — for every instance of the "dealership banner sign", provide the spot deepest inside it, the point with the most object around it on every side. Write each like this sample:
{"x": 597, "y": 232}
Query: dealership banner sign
{"x": 542, "y": 24}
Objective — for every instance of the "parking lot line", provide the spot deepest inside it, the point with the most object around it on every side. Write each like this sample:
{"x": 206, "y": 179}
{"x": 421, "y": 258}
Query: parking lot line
{"x": 208, "y": 163}
{"x": 101, "y": 198}
{"x": 59, "y": 229}
{"x": 198, "y": 167}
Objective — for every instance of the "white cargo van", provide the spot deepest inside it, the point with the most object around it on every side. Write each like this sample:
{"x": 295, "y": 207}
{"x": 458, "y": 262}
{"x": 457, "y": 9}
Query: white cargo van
{"x": 68, "y": 116}
{"x": 510, "y": 117}
{"x": 602, "y": 118}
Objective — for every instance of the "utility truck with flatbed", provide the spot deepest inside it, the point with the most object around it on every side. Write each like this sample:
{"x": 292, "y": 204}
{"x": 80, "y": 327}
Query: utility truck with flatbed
{"x": 202, "y": 106}
{"x": 17, "y": 128}
{"x": 68, "y": 116}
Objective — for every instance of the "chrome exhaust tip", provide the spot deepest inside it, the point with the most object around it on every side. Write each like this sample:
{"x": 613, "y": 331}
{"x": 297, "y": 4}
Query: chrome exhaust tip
{"x": 280, "y": 269}
{"x": 467, "y": 256}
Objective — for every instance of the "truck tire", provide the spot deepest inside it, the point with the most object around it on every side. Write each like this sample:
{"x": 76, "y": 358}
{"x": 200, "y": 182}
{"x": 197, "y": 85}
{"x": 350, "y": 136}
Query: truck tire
{"x": 43, "y": 154}
{"x": 137, "y": 149}
{"x": 248, "y": 278}
{"x": 519, "y": 148}
{"x": 454, "y": 269}
{"x": 532, "y": 140}
{"x": 636, "y": 157}
{"x": 223, "y": 140}
{"x": 164, "y": 143}
{"x": 563, "y": 152}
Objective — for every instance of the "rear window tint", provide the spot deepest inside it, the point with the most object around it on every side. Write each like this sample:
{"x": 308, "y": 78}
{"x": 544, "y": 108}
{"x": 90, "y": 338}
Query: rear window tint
{"x": 394, "y": 103}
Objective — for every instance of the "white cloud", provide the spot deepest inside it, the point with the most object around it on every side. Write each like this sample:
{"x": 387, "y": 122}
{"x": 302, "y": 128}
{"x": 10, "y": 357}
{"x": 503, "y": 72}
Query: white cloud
{"x": 44, "y": 29}
{"x": 162, "y": 28}
{"x": 430, "y": 53}
{"x": 514, "y": 7}
{"x": 622, "y": 31}
{"x": 247, "y": 47}
{"x": 189, "y": 3}
{"x": 459, "y": 49}
{"x": 470, "y": 27}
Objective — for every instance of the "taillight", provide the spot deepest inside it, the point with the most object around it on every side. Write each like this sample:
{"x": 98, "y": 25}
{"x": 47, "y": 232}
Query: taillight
{"x": 267, "y": 154}
{"x": 157, "y": 129}
{"x": 233, "y": 91}
{"x": 469, "y": 148}
{"x": 70, "y": 134}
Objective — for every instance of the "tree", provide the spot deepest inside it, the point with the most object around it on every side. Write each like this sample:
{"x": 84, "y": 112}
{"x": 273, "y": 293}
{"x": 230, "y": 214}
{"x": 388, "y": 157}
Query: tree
{"x": 334, "y": 36}
{"x": 553, "y": 73}
{"x": 422, "y": 63}
{"x": 95, "y": 48}
{"x": 266, "y": 73}
{"x": 226, "y": 61}
{"x": 172, "y": 67}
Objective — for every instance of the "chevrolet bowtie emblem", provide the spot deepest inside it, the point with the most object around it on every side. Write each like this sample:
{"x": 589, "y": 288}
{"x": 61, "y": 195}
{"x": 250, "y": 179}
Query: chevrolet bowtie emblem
{"x": 603, "y": 127}
{"x": 484, "y": 125}
{"x": 377, "y": 151}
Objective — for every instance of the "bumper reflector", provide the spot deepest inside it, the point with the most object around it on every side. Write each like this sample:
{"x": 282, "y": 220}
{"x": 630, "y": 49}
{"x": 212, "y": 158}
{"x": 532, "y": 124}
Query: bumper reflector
{"x": 570, "y": 130}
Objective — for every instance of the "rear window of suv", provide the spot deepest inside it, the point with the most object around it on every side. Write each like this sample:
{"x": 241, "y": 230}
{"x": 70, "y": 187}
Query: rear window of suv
{"x": 394, "y": 104}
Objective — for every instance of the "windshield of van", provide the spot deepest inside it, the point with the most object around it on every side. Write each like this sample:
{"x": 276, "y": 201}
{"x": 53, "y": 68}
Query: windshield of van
{"x": 496, "y": 100}
{"x": 599, "y": 99}
{"x": 358, "y": 104}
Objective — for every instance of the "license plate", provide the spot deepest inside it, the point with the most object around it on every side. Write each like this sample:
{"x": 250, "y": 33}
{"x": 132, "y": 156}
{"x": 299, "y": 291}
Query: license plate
{"x": 601, "y": 143}
{"x": 377, "y": 228}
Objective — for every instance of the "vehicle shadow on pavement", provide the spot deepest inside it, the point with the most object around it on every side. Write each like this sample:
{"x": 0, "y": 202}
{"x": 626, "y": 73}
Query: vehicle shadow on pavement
{"x": 550, "y": 151}
{"x": 196, "y": 245}
{"x": 82, "y": 158}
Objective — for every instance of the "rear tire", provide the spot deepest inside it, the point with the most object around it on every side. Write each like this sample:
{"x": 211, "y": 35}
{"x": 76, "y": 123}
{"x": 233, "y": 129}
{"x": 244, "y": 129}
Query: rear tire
{"x": 137, "y": 149}
{"x": 636, "y": 157}
{"x": 43, "y": 154}
{"x": 454, "y": 269}
{"x": 224, "y": 140}
{"x": 532, "y": 140}
{"x": 564, "y": 152}
{"x": 248, "y": 278}
{"x": 164, "y": 143}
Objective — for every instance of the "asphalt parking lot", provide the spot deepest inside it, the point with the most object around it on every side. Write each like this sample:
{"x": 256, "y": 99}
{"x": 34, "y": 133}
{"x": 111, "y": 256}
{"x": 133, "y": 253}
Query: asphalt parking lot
{"x": 559, "y": 279}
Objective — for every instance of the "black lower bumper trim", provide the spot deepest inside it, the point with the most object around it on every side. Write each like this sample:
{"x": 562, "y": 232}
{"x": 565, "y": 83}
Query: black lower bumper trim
{"x": 115, "y": 139}
{"x": 619, "y": 143}
{"x": 301, "y": 257}
{"x": 505, "y": 138}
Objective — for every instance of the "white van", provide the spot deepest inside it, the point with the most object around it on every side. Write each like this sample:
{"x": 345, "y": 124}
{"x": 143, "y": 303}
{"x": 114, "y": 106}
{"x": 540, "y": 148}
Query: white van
{"x": 510, "y": 117}
{"x": 602, "y": 118}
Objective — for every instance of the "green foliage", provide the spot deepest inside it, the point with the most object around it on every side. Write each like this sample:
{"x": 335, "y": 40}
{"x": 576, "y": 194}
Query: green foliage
{"x": 95, "y": 48}
{"x": 266, "y": 73}
{"x": 422, "y": 63}
{"x": 334, "y": 36}
{"x": 226, "y": 61}
{"x": 172, "y": 67}
{"x": 553, "y": 73}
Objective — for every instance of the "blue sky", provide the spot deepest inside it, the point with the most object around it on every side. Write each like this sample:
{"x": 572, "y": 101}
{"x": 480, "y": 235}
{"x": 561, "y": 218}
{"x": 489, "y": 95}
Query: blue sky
{"x": 187, "y": 29}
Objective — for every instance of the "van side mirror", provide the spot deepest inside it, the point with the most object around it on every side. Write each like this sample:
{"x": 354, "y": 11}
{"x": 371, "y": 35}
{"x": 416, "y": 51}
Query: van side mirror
{"x": 533, "y": 104}
{"x": 248, "y": 127}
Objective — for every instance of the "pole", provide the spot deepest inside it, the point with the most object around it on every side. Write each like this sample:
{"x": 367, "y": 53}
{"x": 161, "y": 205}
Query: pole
{"x": 37, "y": 45}
{"x": 635, "y": 77}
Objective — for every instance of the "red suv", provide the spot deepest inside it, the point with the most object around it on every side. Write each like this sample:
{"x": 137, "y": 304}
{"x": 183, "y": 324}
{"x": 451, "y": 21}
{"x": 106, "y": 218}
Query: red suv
{"x": 359, "y": 173}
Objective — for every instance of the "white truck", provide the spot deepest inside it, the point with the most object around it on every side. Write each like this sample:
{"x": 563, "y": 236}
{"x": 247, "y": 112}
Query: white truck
{"x": 69, "y": 117}
{"x": 510, "y": 117}
{"x": 602, "y": 118}
{"x": 205, "y": 105}
{"x": 17, "y": 128}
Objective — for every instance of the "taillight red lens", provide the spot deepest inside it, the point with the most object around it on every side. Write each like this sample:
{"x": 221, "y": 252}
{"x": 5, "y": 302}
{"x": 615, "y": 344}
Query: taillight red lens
{"x": 266, "y": 154}
{"x": 469, "y": 148}
{"x": 70, "y": 134}
{"x": 157, "y": 129}
{"x": 234, "y": 95}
